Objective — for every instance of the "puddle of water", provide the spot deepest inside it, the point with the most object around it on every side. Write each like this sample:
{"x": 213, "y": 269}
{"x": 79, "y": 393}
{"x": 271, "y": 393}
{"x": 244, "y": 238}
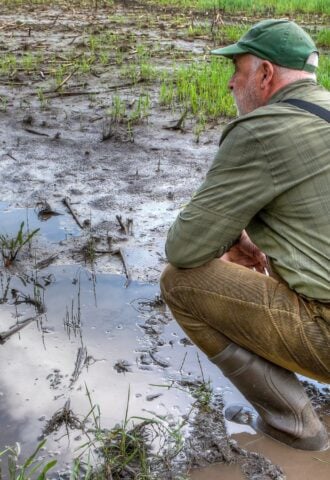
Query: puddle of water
{"x": 297, "y": 464}
{"x": 39, "y": 362}
{"x": 104, "y": 321}
{"x": 55, "y": 229}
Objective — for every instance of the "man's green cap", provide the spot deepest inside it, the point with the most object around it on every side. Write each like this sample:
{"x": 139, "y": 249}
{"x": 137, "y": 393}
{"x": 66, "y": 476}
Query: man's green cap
{"x": 280, "y": 41}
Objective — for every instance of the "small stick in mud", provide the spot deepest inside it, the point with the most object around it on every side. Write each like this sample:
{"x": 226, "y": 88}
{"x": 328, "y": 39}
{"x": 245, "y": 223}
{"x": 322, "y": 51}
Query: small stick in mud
{"x": 66, "y": 202}
{"x": 10, "y": 156}
{"x": 127, "y": 273}
{"x": 121, "y": 253}
{"x": 183, "y": 361}
{"x": 120, "y": 221}
{"x": 67, "y": 78}
{"x": 129, "y": 226}
{"x": 179, "y": 124}
{"x": 46, "y": 262}
{"x": 4, "y": 336}
{"x": 126, "y": 227}
{"x": 56, "y": 18}
{"x": 201, "y": 368}
{"x": 111, "y": 88}
{"x": 79, "y": 364}
{"x": 30, "y": 130}
{"x": 159, "y": 361}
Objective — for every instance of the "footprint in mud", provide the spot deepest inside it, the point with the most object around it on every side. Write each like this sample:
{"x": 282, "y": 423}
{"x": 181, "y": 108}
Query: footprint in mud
{"x": 55, "y": 379}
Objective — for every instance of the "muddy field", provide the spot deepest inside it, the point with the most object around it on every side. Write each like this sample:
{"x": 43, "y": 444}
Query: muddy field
{"x": 91, "y": 157}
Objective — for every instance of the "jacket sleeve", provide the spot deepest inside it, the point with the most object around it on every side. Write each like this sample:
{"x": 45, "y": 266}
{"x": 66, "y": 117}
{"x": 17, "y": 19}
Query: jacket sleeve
{"x": 237, "y": 186}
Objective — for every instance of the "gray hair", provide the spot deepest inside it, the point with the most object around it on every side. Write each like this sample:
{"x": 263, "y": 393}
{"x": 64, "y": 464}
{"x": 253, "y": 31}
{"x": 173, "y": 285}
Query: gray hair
{"x": 289, "y": 74}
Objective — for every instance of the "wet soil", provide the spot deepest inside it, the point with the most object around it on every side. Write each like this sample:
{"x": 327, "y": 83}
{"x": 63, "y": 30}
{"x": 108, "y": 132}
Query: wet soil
{"x": 112, "y": 193}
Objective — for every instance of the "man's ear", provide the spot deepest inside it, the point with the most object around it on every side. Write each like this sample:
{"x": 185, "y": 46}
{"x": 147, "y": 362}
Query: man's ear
{"x": 267, "y": 73}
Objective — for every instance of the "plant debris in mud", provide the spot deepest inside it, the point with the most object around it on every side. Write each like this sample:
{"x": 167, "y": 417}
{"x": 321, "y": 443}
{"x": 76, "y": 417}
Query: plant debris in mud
{"x": 64, "y": 416}
{"x": 162, "y": 447}
{"x": 122, "y": 366}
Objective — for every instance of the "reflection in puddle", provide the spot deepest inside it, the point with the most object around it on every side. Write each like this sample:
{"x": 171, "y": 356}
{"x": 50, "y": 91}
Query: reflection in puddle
{"x": 98, "y": 335}
{"x": 53, "y": 228}
{"x": 91, "y": 325}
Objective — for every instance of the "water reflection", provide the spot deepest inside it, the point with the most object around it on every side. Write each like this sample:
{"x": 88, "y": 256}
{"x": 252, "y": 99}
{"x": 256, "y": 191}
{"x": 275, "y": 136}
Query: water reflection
{"x": 53, "y": 228}
{"x": 90, "y": 324}
{"x": 94, "y": 334}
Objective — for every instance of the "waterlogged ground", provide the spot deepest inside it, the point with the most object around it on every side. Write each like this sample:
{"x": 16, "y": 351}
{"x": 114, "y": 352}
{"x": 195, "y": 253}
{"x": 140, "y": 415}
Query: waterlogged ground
{"x": 103, "y": 191}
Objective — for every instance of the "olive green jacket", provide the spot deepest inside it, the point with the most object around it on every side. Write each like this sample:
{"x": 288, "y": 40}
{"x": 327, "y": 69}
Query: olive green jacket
{"x": 271, "y": 176}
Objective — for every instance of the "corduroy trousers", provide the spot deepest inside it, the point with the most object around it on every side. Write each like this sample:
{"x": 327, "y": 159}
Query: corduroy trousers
{"x": 221, "y": 302}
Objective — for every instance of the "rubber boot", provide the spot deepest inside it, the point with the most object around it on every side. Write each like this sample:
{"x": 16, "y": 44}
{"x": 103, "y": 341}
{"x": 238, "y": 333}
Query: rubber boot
{"x": 285, "y": 412}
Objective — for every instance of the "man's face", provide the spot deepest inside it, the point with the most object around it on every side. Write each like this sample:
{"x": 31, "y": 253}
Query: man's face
{"x": 245, "y": 83}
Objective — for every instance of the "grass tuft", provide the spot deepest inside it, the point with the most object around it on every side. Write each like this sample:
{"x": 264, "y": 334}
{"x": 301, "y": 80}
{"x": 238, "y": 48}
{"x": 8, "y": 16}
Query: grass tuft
{"x": 323, "y": 38}
{"x": 323, "y": 72}
{"x": 201, "y": 88}
{"x": 11, "y": 246}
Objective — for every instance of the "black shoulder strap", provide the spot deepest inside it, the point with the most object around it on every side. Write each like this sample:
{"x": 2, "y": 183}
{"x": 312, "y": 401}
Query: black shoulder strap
{"x": 310, "y": 107}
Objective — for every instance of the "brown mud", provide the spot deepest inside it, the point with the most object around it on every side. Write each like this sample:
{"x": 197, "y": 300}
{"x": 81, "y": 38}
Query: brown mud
{"x": 115, "y": 191}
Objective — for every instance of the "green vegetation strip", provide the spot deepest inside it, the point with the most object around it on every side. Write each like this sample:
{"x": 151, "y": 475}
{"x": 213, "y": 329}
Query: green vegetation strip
{"x": 221, "y": 34}
{"x": 64, "y": 3}
{"x": 250, "y": 7}
{"x": 224, "y": 34}
{"x": 255, "y": 7}
{"x": 202, "y": 88}
{"x": 323, "y": 38}
{"x": 323, "y": 72}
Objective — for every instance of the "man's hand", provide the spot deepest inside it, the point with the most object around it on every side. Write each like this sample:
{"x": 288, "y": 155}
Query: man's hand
{"x": 246, "y": 253}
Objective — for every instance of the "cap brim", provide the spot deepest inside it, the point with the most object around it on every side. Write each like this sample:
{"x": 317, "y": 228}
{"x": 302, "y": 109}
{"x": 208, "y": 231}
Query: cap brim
{"x": 229, "y": 51}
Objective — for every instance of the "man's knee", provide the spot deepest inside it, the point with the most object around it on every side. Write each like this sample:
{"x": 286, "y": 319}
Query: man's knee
{"x": 167, "y": 280}
{"x": 174, "y": 285}
{"x": 173, "y": 277}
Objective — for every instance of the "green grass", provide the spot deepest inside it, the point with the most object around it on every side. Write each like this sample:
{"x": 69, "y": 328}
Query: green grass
{"x": 140, "y": 68}
{"x": 8, "y": 64}
{"x": 323, "y": 71}
{"x": 323, "y": 38}
{"x": 255, "y": 7}
{"x": 11, "y": 246}
{"x": 65, "y": 3}
{"x": 250, "y": 7}
{"x": 221, "y": 34}
{"x": 121, "y": 113}
{"x": 226, "y": 34}
{"x": 201, "y": 88}
{"x": 28, "y": 63}
{"x": 31, "y": 468}
{"x": 131, "y": 448}
{"x": 137, "y": 447}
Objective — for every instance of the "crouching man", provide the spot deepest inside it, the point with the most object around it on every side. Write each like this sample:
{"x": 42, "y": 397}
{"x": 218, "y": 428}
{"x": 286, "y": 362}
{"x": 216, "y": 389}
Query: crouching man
{"x": 264, "y": 207}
